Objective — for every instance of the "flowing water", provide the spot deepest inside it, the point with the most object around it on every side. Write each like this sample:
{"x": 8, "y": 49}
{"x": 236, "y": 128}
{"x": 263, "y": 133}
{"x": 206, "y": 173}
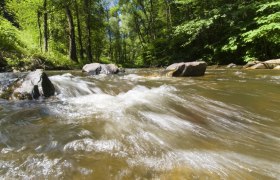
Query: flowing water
{"x": 224, "y": 125}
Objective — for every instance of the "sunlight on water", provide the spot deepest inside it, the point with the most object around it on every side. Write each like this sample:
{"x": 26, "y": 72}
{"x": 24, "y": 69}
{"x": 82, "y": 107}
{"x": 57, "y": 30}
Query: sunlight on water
{"x": 143, "y": 125}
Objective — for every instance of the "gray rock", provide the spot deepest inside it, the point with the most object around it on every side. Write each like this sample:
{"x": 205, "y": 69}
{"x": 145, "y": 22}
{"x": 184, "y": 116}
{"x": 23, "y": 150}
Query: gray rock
{"x": 36, "y": 84}
{"x": 196, "y": 68}
{"x": 113, "y": 68}
{"x": 231, "y": 65}
{"x": 92, "y": 69}
{"x": 97, "y": 68}
{"x": 270, "y": 64}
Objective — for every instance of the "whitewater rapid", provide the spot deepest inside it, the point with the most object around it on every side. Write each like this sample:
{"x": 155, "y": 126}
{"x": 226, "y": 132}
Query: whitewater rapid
{"x": 140, "y": 126}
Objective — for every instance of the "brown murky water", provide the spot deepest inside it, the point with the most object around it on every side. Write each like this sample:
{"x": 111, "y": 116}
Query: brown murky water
{"x": 224, "y": 125}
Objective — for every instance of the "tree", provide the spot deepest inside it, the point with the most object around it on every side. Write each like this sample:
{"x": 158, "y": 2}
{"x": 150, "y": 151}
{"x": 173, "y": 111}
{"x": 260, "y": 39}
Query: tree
{"x": 79, "y": 30}
{"x": 72, "y": 41}
{"x": 46, "y": 34}
{"x": 87, "y": 5}
{"x": 263, "y": 41}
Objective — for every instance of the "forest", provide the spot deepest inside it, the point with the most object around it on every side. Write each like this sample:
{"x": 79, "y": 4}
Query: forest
{"x": 137, "y": 33}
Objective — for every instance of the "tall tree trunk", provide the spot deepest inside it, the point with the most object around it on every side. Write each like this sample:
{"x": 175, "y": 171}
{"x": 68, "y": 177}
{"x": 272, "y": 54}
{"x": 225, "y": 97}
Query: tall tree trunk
{"x": 88, "y": 19}
{"x": 142, "y": 21}
{"x": 124, "y": 49}
{"x": 110, "y": 34}
{"x": 39, "y": 29}
{"x": 79, "y": 31}
{"x": 72, "y": 41}
{"x": 168, "y": 16}
{"x": 152, "y": 20}
{"x": 46, "y": 34}
{"x": 138, "y": 30}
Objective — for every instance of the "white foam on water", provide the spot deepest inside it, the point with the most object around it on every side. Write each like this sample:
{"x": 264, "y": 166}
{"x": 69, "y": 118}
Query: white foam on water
{"x": 70, "y": 86}
{"x": 6, "y": 150}
{"x": 85, "y": 171}
{"x": 34, "y": 167}
{"x": 132, "y": 77}
{"x": 52, "y": 146}
{"x": 84, "y": 133}
{"x": 172, "y": 123}
{"x": 89, "y": 145}
{"x": 221, "y": 163}
{"x": 143, "y": 143}
{"x": 85, "y": 106}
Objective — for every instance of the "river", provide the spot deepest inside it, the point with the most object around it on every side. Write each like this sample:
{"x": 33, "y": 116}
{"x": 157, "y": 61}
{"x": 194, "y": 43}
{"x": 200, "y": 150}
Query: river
{"x": 139, "y": 125}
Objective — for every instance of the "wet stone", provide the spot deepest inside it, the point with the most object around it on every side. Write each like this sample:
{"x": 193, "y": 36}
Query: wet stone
{"x": 183, "y": 69}
{"x": 34, "y": 85}
{"x": 97, "y": 68}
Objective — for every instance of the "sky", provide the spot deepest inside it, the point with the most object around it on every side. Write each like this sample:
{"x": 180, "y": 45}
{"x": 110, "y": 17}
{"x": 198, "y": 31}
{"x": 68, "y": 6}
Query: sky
{"x": 112, "y": 2}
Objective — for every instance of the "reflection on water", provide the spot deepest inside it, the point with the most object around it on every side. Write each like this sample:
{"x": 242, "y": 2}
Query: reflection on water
{"x": 224, "y": 125}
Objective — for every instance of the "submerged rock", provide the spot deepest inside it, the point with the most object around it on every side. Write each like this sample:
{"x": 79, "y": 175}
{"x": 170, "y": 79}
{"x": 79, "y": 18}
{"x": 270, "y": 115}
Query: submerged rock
{"x": 196, "y": 68}
{"x": 97, "y": 68}
{"x": 270, "y": 64}
{"x": 231, "y": 65}
{"x": 34, "y": 85}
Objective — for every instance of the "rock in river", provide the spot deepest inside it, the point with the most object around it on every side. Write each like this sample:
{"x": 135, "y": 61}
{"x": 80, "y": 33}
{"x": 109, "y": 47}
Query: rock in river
{"x": 270, "y": 64}
{"x": 34, "y": 85}
{"x": 251, "y": 63}
{"x": 196, "y": 68}
{"x": 231, "y": 65}
{"x": 97, "y": 68}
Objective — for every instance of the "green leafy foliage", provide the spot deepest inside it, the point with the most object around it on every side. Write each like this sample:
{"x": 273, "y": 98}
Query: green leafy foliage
{"x": 133, "y": 33}
{"x": 9, "y": 36}
{"x": 192, "y": 29}
{"x": 263, "y": 41}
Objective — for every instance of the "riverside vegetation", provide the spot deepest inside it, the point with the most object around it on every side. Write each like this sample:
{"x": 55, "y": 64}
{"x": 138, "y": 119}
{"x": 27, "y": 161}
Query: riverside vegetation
{"x": 66, "y": 34}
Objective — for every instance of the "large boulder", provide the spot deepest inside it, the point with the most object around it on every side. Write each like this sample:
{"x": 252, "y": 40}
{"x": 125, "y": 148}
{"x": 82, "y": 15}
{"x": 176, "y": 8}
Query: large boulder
{"x": 36, "y": 84}
{"x": 270, "y": 64}
{"x": 182, "y": 69}
{"x": 97, "y": 68}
